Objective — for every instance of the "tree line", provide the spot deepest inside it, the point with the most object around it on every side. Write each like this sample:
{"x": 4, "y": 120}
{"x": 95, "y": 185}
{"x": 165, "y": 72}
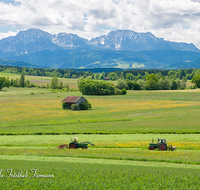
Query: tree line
{"x": 144, "y": 80}
{"x": 48, "y": 72}
{"x": 151, "y": 83}
{"x": 135, "y": 74}
{"x": 22, "y": 82}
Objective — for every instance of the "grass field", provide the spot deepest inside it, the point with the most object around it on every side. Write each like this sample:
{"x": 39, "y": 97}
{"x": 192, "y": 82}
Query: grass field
{"x": 117, "y": 147}
{"x": 33, "y": 124}
{"x": 137, "y": 112}
{"x": 70, "y": 175}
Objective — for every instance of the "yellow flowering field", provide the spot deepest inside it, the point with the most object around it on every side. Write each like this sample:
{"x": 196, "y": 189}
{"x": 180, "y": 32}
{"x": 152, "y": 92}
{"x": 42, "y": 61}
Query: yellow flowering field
{"x": 138, "y": 111}
{"x": 125, "y": 105}
{"x": 145, "y": 144}
{"x": 30, "y": 107}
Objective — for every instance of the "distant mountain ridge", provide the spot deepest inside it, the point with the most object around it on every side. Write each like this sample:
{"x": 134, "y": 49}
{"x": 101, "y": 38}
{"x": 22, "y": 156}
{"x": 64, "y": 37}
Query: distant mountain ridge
{"x": 34, "y": 40}
{"x": 133, "y": 41}
{"x": 116, "y": 49}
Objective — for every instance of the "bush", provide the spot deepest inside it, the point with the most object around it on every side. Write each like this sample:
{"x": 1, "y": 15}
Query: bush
{"x": 42, "y": 86}
{"x": 85, "y": 106}
{"x": 124, "y": 91}
{"x": 64, "y": 105}
{"x": 196, "y": 81}
{"x": 65, "y": 90}
{"x": 74, "y": 107}
{"x": 31, "y": 85}
{"x": 32, "y": 93}
{"x": 192, "y": 87}
{"x": 121, "y": 83}
{"x": 89, "y": 105}
{"x": 90, "y": 87}
{"x": 118, "y": 91}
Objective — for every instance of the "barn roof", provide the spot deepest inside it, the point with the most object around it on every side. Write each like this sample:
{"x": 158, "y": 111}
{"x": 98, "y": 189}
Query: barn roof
{"x": 71, "y": 99}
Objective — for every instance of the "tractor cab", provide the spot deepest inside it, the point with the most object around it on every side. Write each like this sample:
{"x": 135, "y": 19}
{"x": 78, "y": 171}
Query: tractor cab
{"x": 74, "y": 144}
{"x": 162, "y": 141}
{"x": 74, "y": 139}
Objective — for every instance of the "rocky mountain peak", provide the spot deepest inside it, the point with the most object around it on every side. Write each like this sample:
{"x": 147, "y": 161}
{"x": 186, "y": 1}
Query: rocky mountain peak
{"x": 35, "y": 40}
{"x": 32, "y": 35}
{"x": 68, "y": 40}
{"x": 132, "y": 41}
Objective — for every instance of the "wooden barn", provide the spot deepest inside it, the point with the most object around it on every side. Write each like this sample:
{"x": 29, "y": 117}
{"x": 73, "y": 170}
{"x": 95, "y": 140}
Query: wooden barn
{"x": 74, "y": 100}
{"x": 106, "y": 78}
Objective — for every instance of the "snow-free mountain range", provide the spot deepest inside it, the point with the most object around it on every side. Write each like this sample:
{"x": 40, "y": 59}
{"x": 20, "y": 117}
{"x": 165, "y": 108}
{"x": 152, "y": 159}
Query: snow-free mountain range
{"x": 121, "y": 49}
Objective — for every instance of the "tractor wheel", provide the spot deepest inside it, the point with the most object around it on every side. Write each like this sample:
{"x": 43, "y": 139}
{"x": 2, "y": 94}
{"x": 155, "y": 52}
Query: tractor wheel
{"x": 151, "y": 147}
{"x": 72, "y": 146}
{"x": 162, "y": 147}
{"x": 84, "y": 147}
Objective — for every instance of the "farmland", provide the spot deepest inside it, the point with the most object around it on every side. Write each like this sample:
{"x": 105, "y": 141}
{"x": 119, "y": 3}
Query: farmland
{"x": 33, "y": 124}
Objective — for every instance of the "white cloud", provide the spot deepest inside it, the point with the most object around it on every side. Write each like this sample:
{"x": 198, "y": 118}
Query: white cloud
{"x": 7, "y": 34}
{"x": 174, "y": 20}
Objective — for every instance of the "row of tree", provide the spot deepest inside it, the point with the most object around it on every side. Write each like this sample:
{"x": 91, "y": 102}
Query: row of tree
{"x": 5, "y": 82}
{"x": 130, "y": 82}
{"x": 136, "y": 74}
{"x": 151, "y": 83}
{"x": 60, "y": 73}
{"x": 92, "y": 87}
{"x": 55, "y": 84}
{"x": 22, "y": 82}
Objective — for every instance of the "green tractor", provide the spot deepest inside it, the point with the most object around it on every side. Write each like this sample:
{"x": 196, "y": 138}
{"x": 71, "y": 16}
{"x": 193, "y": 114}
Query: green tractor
{"x": 74, "y": 144}
{"x": 161, "y": 145}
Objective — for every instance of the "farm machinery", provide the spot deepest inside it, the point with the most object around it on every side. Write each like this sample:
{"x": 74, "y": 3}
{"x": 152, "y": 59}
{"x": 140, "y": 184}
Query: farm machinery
{"x": 161, "y": 145}
{"x": 74, "y": 144}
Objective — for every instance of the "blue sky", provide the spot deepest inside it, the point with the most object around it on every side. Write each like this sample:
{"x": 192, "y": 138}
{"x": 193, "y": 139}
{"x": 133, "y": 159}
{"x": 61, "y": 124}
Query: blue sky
{"x": 173, "y": 20}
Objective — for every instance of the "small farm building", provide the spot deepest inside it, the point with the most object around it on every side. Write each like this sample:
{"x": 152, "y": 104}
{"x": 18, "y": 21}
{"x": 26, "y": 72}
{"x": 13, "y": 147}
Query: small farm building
{"x": 106, "y": 78}
{"x": 74, "y": 100}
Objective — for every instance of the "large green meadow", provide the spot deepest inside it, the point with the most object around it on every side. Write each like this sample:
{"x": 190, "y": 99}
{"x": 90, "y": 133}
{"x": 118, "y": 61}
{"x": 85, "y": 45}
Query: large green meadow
{"x": 33, "y": 125}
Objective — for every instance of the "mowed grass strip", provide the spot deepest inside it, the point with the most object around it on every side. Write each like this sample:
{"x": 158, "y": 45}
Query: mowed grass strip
{"x": 178, "y": 156}
{"x": 97, "y": 161}
{"x": 182, "y": 141}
